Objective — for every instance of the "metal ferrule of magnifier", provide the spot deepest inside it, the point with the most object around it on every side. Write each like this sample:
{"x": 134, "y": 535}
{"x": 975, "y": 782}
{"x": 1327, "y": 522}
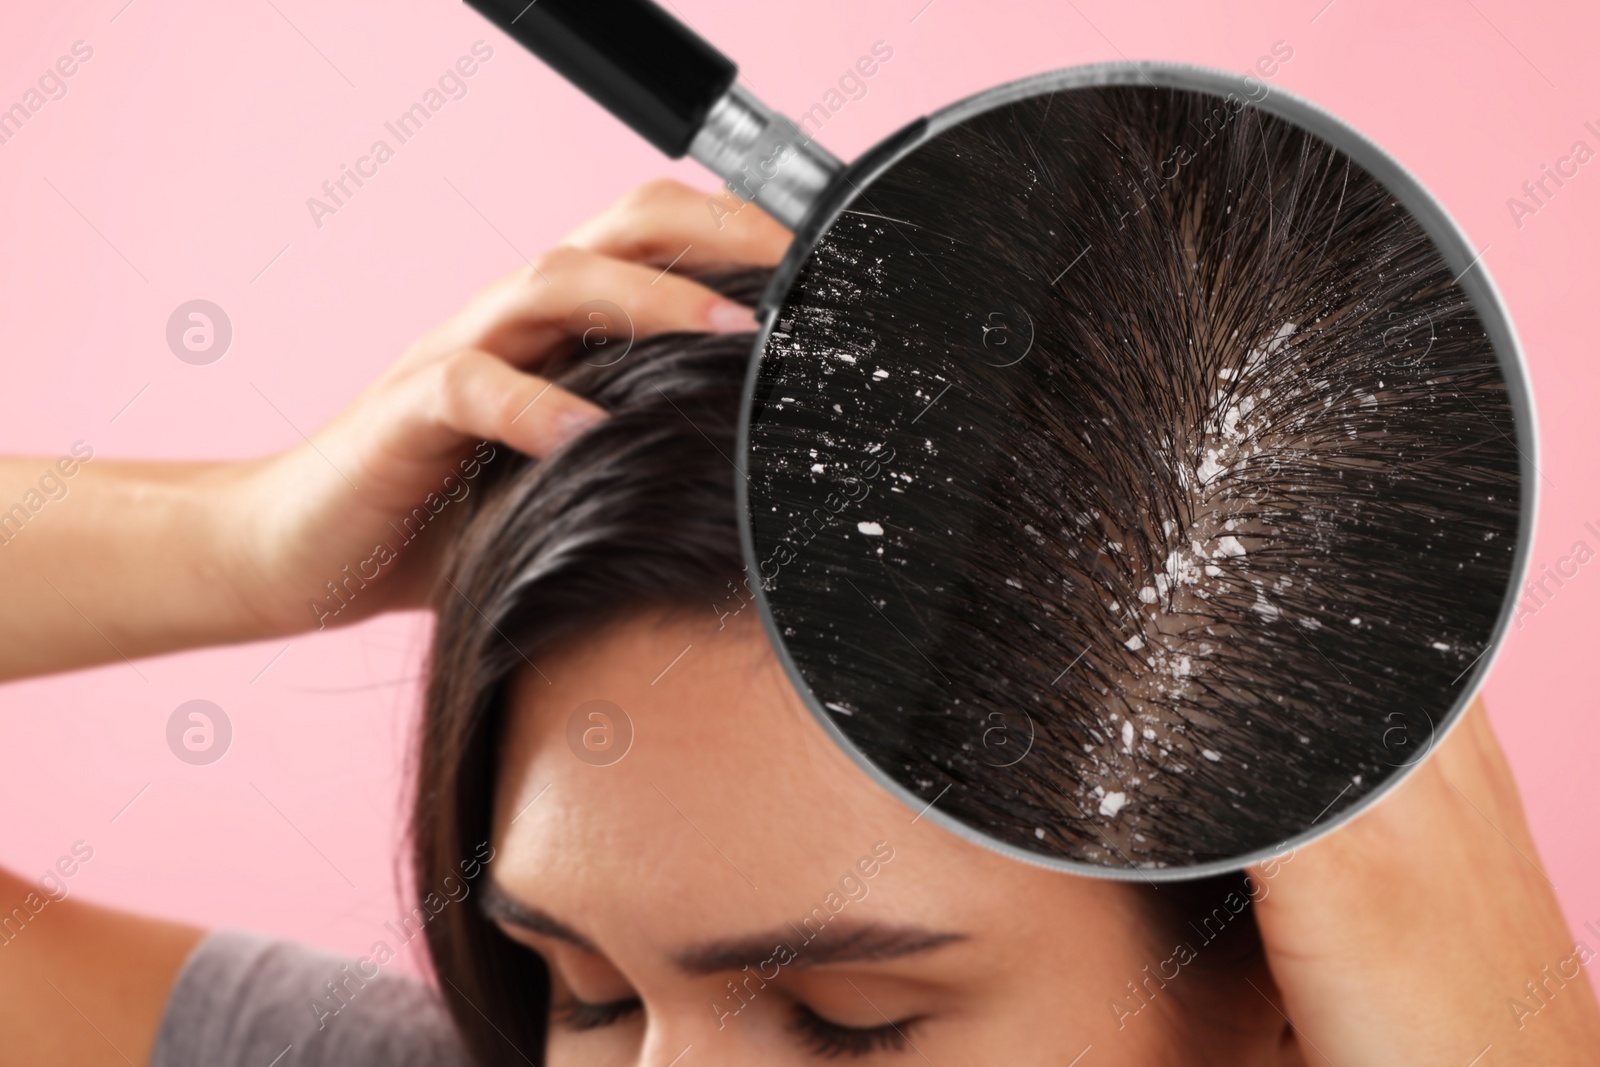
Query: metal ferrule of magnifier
{"x": 763, "y": 156}
{"x": 676, "y": 91}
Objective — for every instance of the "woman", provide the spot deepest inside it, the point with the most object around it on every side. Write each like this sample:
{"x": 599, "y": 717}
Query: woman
{"x": 730, "y": 889}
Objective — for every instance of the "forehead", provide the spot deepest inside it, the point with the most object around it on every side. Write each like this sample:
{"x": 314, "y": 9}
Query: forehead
{"x": 668, "y": 741}
{"x": 732, "y": 813}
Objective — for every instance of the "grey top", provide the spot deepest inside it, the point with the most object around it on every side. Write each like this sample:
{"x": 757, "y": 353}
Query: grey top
{"x": 244, "y": 1000}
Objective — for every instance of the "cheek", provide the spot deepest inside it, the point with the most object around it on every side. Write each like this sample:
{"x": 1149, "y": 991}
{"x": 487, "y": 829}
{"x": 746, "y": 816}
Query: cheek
{"x": 564, "y": 1048}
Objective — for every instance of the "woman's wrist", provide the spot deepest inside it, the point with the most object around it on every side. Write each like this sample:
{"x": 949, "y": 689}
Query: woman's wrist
{"x": 239, "y": 559}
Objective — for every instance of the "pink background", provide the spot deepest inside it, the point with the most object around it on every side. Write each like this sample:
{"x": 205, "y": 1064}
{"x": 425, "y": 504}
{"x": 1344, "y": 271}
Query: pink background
{"x": 192, "y": 139}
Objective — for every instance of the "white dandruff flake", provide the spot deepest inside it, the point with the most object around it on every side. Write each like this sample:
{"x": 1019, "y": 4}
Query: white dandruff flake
{"x": 1038, "y": 831}
{"x": 817, "y": 468}
{"x": 1134, "y": 643}
{"x": 1127, "y": 733}
{"x": 872, "y": 529}
{"x": 1441, "y": 646}
{"x": 1214, "y": 757}
{"x": 880, "y": 374}
{"x": 1228, "y": 546}
{"x": 1112, "y": 803}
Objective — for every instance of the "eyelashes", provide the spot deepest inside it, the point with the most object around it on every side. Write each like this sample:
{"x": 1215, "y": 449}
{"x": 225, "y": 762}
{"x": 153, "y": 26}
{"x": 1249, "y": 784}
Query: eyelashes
{"x": 822, "y": 1037}
{"x": 830, "y": 1040}
{"x": 578, "y": 1015}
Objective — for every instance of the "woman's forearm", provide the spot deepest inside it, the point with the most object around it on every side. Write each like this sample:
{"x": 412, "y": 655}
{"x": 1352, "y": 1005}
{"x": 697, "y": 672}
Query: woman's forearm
{"x": 121, "y": 560}
{"x": 102, "y": 561}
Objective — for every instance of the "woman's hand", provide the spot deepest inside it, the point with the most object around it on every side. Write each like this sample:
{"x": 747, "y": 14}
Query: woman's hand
{"x": 144, "y": 558}
{"x": 333, "y": 521}
{"x": 1426, "y": 932}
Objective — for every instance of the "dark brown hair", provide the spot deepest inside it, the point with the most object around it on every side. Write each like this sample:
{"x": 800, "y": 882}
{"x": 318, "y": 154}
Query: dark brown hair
{"x": 637, "y": 514}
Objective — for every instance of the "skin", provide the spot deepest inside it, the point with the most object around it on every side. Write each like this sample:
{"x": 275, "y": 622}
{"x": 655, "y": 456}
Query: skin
{"x": 1399, "y": 938}
{"x": 1437, "y": 914}
{"x": 731, "y": 816}
{"x": 168, "y": 556}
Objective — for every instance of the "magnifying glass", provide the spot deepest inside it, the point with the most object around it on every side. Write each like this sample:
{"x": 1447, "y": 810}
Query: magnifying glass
{"x": 1136, "y": 465}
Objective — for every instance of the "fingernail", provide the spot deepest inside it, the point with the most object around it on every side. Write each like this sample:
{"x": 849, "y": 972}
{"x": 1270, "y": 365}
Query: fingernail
{"x": 726, "y": 316}
{"x": 576, "y": 421}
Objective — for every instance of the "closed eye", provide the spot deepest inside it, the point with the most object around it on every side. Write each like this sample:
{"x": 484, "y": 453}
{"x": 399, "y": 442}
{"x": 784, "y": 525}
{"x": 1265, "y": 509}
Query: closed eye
{"x": 579, "y": 1015}
{"x": 833, "y": 1041}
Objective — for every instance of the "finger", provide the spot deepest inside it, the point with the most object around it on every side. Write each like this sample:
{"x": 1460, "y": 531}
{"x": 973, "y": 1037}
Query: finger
{"x": 657, "y": 223}
{"x": 479, "y": 395}
{"x": 666, "y": 221}
{"x": 525, "y": 316}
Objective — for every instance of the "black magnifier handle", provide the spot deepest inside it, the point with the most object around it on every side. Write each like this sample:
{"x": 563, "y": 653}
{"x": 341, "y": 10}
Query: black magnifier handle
{"x": 629, "y": 56}
{"x": 676, "y": 91}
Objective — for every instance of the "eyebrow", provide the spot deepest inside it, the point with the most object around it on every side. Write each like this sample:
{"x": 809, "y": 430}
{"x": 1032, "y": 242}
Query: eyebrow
{"x": 854, "y": 943}
{"x": 848, "y": 943}
{"x": 499, "y": 905}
